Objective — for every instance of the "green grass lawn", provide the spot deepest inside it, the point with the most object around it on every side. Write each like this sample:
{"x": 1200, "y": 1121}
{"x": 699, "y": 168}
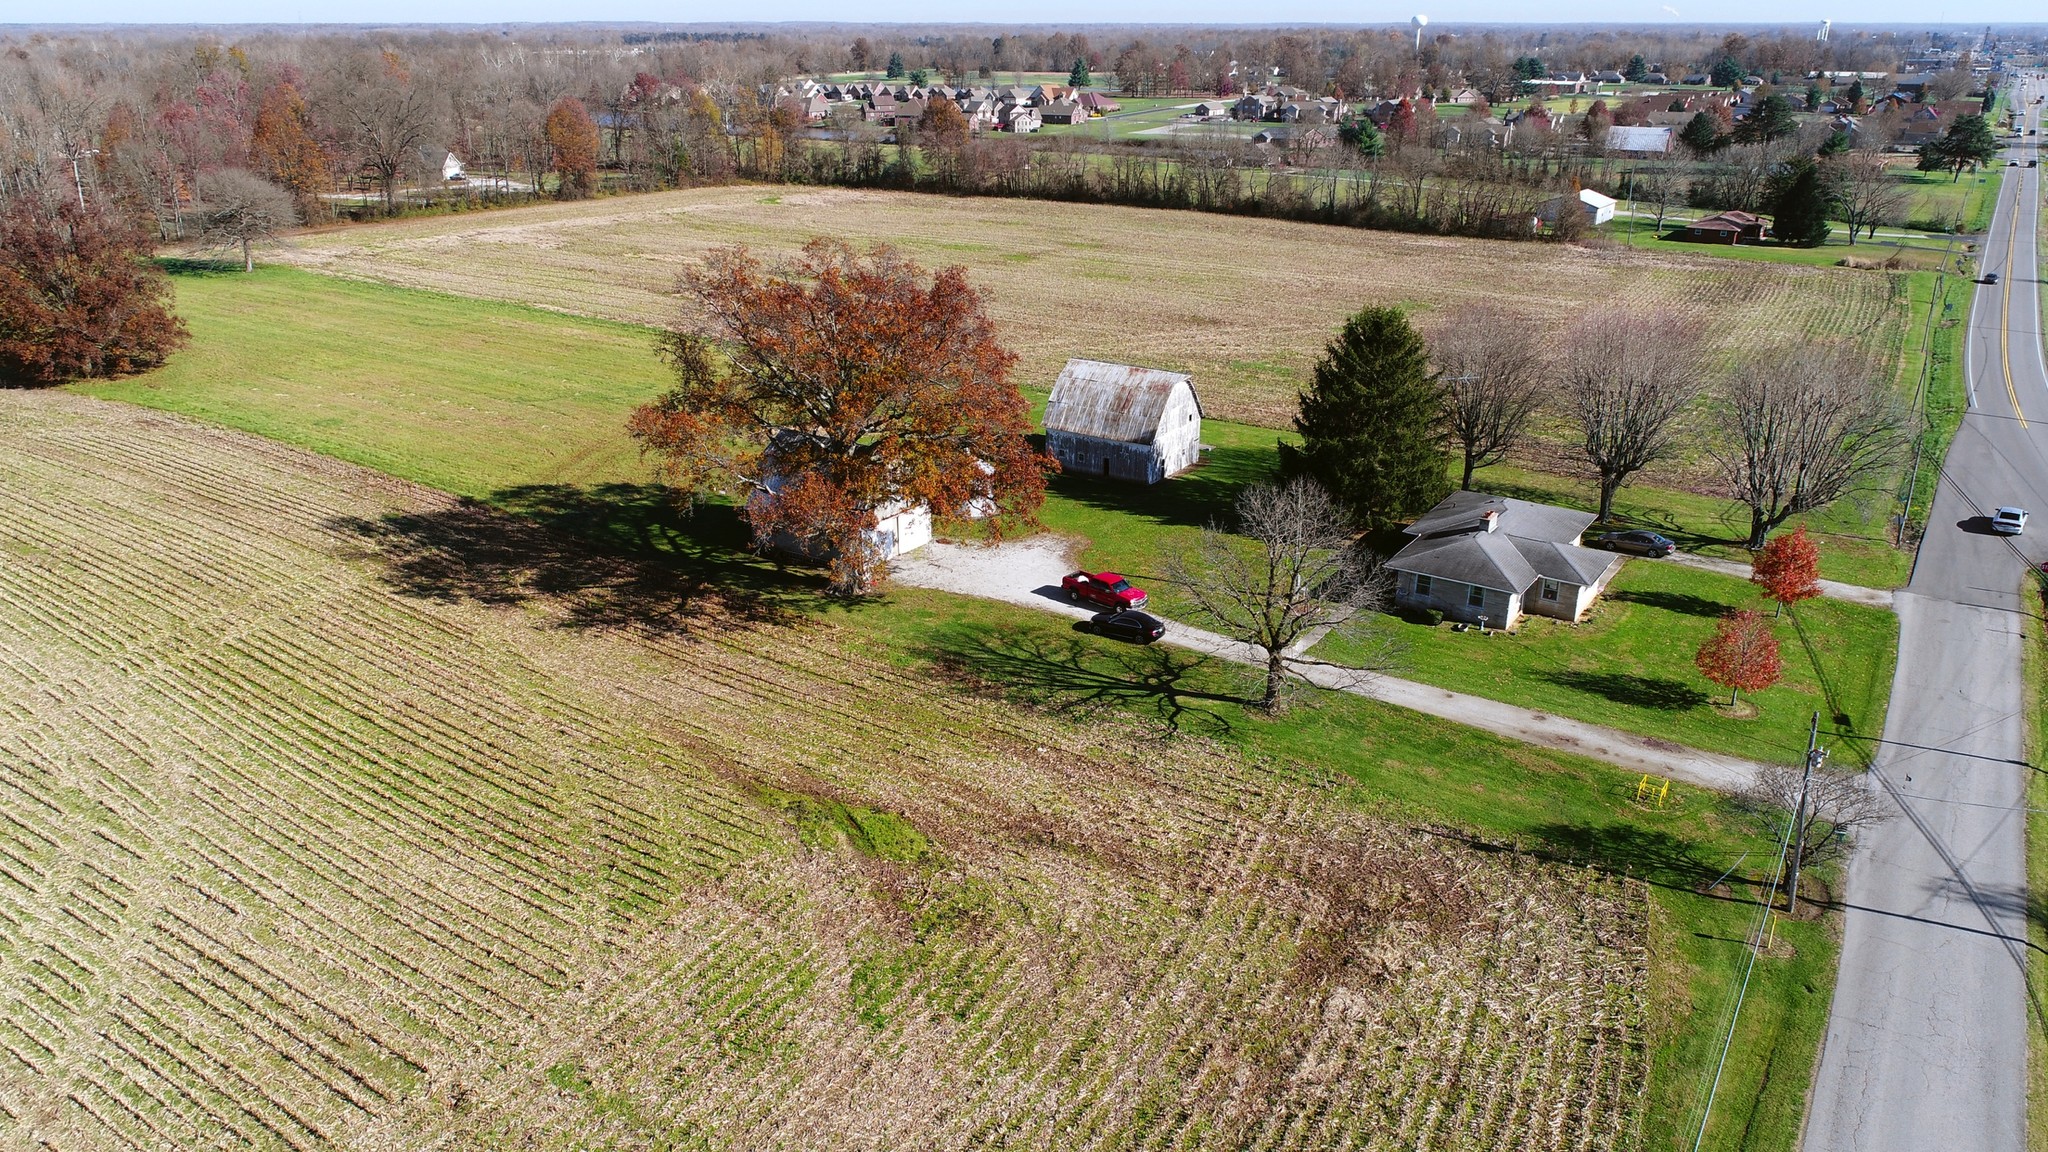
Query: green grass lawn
{"x": 1630, "y": 665}
{"x": 1851, "y": 533}
{"x": 464, "y": 395}
{"x": 1137, "y": 114}
{"x": 523, "y": 408}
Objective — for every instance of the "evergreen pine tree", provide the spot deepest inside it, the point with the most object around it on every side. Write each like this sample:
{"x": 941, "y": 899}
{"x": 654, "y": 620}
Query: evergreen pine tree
{"x": 1854, "y": 96}
{"x": 1363, "y": 135}
{"x": 1802, "y": 202}
{"x": 1372, "y": 423}
{"x": 1837, "y": 144}
{"x": 895, "y": 65}
{"x": 1773, "y": 119}
{"x": 1702, "y": 134}
{"x": 1079, "y": 78}
{"x": 1637, "y": 69}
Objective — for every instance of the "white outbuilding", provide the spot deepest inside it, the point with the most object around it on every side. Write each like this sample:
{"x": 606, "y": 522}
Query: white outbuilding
{"x": 1597, "y": 209}
{"x": 1123, "y": 422}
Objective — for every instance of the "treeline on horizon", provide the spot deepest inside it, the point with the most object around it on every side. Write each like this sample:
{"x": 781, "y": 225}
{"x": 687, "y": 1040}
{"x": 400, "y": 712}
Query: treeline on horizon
{"x": 139, "y": 119}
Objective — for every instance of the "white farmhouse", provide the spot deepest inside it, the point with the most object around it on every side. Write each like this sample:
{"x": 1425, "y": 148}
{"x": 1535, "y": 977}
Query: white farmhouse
{"x": 1123, "y": 422}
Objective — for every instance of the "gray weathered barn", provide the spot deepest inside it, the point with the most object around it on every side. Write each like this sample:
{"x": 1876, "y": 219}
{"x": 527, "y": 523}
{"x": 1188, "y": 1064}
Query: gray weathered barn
{"x": 1123, "y": 422}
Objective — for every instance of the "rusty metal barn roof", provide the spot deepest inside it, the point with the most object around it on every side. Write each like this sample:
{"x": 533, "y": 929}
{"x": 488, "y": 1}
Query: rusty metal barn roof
{"x": 1112, "y": 401}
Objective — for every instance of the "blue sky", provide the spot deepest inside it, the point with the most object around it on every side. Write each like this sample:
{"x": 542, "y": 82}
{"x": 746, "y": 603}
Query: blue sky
{"x": 1864, "y": 12}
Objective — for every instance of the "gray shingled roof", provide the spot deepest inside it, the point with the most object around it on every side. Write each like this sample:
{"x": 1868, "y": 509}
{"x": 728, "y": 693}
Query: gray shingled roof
{"x": 1487, "y": 559}
{"x": 1451, "y": 543}
{"x": 1111, "y": 401}
{"x": 1567, "y": 562}
{"x": 1460, "y": 512}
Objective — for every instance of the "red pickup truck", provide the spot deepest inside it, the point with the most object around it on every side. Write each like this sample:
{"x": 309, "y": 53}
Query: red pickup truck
{"x": 1105, "y": 588}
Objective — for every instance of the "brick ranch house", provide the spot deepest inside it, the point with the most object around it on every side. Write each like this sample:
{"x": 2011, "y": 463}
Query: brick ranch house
{"x": 1475, "y": 554}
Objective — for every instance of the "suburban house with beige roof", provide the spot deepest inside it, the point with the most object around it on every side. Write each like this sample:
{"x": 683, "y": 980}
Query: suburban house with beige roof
{"x": 1123, "y": 422}
{"x": 1477, "y": 555}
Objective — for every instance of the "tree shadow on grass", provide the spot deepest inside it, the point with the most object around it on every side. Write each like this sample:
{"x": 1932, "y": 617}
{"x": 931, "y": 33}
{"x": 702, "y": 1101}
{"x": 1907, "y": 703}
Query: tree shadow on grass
{"x": 1658, "y": 692}
{"x": 1081, "y": 674}
{"x": 199, "y": 266}
{"x": 614, "y": 556}
{"x": 1204, "y": 495}
{"x": 1684, "y": 603}
{"x": 1652, "y": 855}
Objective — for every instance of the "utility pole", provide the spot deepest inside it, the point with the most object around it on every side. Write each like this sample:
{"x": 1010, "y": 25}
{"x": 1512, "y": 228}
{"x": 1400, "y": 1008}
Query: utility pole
{"x": 1815, "y": 757}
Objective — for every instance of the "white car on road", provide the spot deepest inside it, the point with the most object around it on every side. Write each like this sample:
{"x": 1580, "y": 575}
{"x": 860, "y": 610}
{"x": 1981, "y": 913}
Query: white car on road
{"x": 2009, "y": 521}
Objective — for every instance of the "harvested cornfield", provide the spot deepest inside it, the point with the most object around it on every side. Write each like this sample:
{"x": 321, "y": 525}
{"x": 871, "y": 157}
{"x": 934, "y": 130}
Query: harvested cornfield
{"x": 338, "y": 813}
{"x": 1243, "y": 304}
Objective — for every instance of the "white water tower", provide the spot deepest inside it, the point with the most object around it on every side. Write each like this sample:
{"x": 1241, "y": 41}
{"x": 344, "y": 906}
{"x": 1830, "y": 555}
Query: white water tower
{"x": 1420, "y": 23}
{"x": 1822, "y": 35}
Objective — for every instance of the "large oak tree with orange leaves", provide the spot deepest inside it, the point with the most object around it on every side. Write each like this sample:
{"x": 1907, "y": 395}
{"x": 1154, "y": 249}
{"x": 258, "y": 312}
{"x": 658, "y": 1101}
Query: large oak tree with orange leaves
{"x": 821, "y": 390}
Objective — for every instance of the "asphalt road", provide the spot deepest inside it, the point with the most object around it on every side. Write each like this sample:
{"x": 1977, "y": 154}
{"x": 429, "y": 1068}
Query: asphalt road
{"x": 1927, "y": 1042}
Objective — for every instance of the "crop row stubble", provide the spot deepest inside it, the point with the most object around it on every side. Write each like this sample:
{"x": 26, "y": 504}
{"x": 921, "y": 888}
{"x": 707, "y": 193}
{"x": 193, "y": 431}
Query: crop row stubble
{"x": 293, "y": 856}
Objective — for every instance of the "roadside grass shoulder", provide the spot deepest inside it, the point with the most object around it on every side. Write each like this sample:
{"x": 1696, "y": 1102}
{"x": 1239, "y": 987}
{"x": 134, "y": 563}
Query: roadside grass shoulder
{"x": 1936, "y": 340}
{"x": 2035, "y": 672}
{"x": 1630, "y": 664}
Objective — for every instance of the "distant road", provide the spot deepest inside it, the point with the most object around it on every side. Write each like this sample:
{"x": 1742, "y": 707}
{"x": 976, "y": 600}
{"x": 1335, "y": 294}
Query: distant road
{"x": 1927, "y": 1043}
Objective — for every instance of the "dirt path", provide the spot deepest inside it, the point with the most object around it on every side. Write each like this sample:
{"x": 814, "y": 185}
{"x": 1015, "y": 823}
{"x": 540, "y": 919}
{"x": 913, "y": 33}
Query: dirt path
{"x": 1028, "y": 572}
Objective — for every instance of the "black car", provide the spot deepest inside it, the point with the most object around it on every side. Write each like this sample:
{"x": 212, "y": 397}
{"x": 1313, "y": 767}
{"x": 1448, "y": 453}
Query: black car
{"x": 1639, "y": 542}
{"x": 1991, "y": 277}
{"x": 1137, "y": 627}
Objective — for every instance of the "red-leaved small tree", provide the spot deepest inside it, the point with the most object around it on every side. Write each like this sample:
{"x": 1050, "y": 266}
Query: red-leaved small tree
{"x": 1787, "y": 568}
{"x": 78, "y": 296}
{"x": 1741, "y": 654}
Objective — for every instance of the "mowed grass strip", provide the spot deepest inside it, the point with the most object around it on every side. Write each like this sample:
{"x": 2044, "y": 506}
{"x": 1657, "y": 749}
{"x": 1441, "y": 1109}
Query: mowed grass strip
{"x": 1245, "y": 304}
{"x": 464, "y": 395}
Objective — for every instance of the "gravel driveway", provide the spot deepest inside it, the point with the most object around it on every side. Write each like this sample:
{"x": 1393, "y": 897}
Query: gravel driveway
{"x": 1027, "y": 572}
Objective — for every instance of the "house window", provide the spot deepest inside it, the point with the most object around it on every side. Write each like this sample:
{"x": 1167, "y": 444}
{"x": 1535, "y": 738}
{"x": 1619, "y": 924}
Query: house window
{"x": 1550, "y": 591}
{"x": 1476, "y": 597}
{"x": 1421, "y": 585}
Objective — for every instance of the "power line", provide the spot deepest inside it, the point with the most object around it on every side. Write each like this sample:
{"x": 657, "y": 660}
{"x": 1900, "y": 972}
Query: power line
{"x": 1756, "y": 944}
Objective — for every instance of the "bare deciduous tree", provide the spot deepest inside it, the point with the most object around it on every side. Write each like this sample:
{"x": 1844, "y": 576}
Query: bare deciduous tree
{"x": 1290, "y": 575}
{"x": 1867, "y": 192}
{"x": 1806, "y": 425}
{"x": 385, "y": 116}
{"x": 1491, "y": 363}
{"x": 1837, "y": 804}
{"x": 1626, "y": 378}
{"x": 239, "y": 209}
